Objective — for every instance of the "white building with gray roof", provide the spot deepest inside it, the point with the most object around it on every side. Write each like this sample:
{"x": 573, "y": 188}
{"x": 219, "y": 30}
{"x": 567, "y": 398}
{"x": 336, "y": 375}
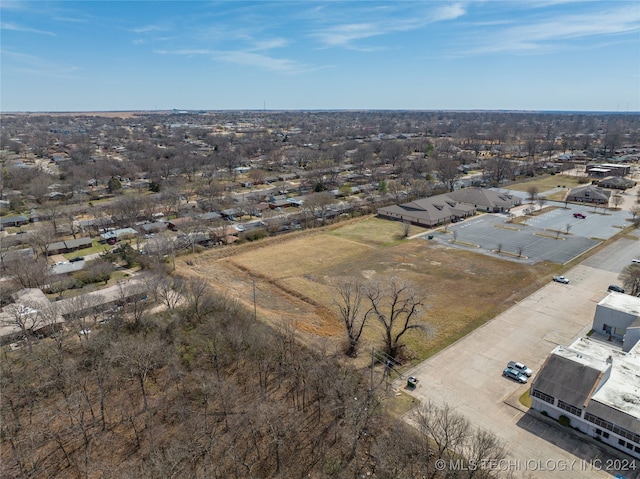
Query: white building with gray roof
{"x": 595, "y": 385}
{"x": 618, "y": 317}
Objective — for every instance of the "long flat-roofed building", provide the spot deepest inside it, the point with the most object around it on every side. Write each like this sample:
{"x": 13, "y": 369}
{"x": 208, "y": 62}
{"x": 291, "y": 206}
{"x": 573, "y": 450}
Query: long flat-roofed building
{"x": 595, "y": 385}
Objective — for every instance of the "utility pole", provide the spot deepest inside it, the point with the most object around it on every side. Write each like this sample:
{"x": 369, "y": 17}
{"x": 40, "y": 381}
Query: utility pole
{"x": 371, "y": 373}
{"x": 255, "y": 310}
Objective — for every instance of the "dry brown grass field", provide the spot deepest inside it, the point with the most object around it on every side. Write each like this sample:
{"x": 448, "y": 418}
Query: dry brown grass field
{"x": 547, "y": 182}
{"x": 295, "y": 281}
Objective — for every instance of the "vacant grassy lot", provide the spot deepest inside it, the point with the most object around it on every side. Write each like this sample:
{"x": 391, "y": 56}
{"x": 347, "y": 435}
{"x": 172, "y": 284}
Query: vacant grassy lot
{"x": 295, "y": 281}
{"x": 547, "y": 183}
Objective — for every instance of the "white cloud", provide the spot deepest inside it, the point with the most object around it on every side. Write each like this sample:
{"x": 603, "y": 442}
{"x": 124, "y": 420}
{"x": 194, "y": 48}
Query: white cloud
{"x": 20, "y": 28}
{"x": 448, "y": 12}
{"x": 37, "y": 66}
{"x": 244, "y": 57}
{"x": 346, "y": 34}
{"x": 269, "y": 44}
{"x": 548, "y": 33}
{"x": 147, "y": 29}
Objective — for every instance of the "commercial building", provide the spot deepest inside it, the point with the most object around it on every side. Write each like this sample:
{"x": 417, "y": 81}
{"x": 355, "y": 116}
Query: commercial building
{"x": 593, "y": 385}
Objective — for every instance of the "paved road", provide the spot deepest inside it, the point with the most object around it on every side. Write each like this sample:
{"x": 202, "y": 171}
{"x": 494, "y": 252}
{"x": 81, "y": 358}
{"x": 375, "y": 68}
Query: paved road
{"x": 467, "y": 375}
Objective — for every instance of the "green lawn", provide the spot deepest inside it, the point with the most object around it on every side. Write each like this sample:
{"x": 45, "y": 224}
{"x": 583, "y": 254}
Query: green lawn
{"x": 96, "y": 247}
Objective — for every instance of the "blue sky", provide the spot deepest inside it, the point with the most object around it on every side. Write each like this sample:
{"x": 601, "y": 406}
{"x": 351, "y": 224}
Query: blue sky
{"x": 286, "y": 55}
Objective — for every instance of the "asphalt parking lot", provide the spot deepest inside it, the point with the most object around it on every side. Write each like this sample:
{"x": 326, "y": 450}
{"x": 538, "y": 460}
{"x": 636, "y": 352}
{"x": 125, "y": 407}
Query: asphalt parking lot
{"x": 467, "y": 375}
{"x": 536, "y": 239}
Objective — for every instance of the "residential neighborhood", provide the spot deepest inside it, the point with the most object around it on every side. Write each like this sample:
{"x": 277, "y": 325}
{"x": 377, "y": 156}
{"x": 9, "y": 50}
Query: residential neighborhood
{"x": 154, "y": 223}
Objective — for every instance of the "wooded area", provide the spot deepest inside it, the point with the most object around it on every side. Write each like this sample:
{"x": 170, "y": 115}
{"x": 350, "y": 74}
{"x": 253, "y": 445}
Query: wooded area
{"x": 212, "y": 394}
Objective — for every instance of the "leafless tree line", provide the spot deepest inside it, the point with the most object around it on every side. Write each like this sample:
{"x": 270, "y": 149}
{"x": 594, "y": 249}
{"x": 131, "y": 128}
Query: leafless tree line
{"x": 202, "y": 391}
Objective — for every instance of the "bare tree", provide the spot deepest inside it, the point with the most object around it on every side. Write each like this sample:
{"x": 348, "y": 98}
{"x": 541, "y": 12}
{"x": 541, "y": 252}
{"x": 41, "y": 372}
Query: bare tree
{"x": 132, "y": 297}
{"x": 41, "y": 238}
{"x": 542, "y": 200}
{"x": 396, "y": 307}
{"x": 168, "y": 290}
{"x": 635, "y": 215}
{"x": 27, "y": 272}
{"x": 630, "y": 278}
{"x": 24, "y": 316}
{"x": 351, "y": 295}
{"x": 80, "y": 308}
{"x": 531, "y": 145}
{"x": 532, "y": 192}
{"x": 52, "y": 321}
{"x": 482, "y": 449}
{"x": 362, "y": 157}
{"x": 140, "y": 356}
{"x": 198, "y": 298}
{"x": 126, "y": 210}
{"x": 448, "y": 430}
{"x": 406, "y": 227}
{"x": 395, "y": 189}
{"x": 447, "y": 172}
{"x": 393, "y": 151}
{"x": 52, "y": 211}
{"x": 617, "y": 200}
{"x": 317, "y": 204}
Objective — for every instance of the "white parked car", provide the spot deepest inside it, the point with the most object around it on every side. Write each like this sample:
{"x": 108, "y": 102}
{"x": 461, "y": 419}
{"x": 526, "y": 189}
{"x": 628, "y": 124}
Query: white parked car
{"x": 561, "y": 279}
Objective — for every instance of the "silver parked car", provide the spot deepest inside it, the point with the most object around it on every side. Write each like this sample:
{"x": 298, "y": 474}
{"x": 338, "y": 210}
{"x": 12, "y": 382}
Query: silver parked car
{"x": 515, "y": 375}
{"x": 520, "y": 367}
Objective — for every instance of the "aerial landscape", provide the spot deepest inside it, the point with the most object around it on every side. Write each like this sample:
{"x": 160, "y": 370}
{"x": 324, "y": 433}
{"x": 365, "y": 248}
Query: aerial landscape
{"x": 320, "y": 239}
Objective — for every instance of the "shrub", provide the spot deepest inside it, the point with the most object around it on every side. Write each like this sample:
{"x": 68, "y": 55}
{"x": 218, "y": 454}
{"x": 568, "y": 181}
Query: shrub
{"x": 564, "y": 420}
{"x": 255, "y": 235}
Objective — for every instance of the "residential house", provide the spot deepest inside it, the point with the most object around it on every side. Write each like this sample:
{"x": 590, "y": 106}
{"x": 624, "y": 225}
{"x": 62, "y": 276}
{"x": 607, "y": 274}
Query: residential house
{"x": 17, "y": 220}
{"x": 67, "y": 267}
{"x": 118, "y": 234}
{"x": 279, "y": 201}
{"x": 66, "y": 246}
{"x": 155, "y": 227}
{"x": 211, "y": 216}
{"x": 231, "y": 213}
{"x": 177, "y": 223}
{"x": 95, "y": 224}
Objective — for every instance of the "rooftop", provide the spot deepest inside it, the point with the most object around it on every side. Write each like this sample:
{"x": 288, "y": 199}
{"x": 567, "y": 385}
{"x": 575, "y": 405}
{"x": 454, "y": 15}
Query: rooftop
{"x": 620, "y": 389}
{"x": 622, "y": 302}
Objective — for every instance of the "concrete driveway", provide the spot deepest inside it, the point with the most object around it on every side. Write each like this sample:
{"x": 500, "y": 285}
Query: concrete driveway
{"x": 467, "y": 375}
